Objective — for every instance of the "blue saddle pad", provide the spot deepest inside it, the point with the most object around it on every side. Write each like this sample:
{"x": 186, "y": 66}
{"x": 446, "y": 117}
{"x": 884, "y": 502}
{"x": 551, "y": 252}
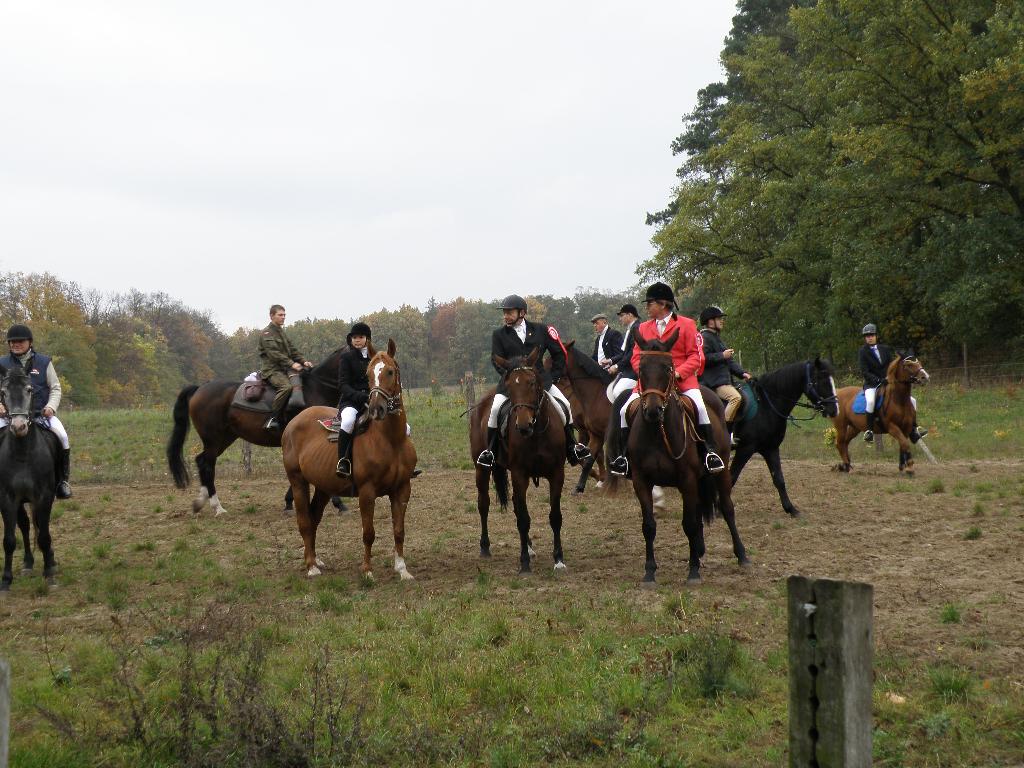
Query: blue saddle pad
{"x": 860, "y": 405}
{"x": 749, "y": 401}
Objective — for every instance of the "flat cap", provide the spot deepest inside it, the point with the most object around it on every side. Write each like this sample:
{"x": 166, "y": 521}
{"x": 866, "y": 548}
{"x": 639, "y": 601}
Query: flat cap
{"x": 599, "y": 316}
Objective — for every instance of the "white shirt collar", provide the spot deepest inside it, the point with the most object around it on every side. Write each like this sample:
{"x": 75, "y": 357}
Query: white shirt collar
{"x": 520, "y": 329}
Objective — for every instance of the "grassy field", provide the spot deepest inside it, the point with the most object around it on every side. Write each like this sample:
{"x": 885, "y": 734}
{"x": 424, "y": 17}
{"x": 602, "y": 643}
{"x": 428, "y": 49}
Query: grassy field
{"x": 180, "y": 639}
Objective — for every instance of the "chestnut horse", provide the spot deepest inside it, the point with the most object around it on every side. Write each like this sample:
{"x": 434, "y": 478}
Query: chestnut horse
{"x": 895, "y": 415}
{"x": 383, "y": 458}
{"x": 219, "y": 425}
{"x": 535, "y": 448}
{"x": 662, "y": 450}
{"x": 584, "y": 387}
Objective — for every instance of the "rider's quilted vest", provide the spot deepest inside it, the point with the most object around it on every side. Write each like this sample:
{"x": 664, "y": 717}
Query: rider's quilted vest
{"x": 36, "y": 369}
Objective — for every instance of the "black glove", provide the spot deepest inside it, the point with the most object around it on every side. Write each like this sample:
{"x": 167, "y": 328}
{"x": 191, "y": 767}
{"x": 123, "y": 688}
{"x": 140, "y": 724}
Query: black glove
{"x": 364, "y": 398}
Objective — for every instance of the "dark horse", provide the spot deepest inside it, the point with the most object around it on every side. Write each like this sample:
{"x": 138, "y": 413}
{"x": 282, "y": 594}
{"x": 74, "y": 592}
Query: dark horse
{"x": 383, "y": 459}
{"x": 28, "y": 466}
{"x": 777, "y": 395}
{"x": 584, "y": 386}
{"x": 219, "y": 425}
{"x": 535, "y": 449}
{"x": 662, "y": 450}
{"x": 895, "y": 414}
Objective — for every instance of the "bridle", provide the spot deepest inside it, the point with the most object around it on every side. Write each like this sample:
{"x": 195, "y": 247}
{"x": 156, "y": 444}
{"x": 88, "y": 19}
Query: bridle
{"x": 818, "y": 402}
{"x": 916, "y": 377}
{"x": 393, "y": 402}
{"x": 669, "y": 393}
{"x": 10, "y": 414}
{"x": 535, "y": 407}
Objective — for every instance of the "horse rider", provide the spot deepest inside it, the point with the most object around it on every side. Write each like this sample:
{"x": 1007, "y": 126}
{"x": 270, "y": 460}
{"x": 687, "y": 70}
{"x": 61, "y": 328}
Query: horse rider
{"x": 688, "y": 361}
{"x": 46, "y": 394}
{"x": 720, "y": 364}
{"x": 625, "y": 378}
{"x": 874, "y": 359}
{"x": 279, "y": 358}
{"x": 518, "y": 337}
{"x": 607, "y": 343}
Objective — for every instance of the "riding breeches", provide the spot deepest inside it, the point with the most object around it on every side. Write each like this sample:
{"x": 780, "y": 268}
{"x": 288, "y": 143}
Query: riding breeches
{"x": 282, "y": 384}
{"x": 694, "y": 395}
{"x": 348, "y": 415}
{"x": 55, "y": 426}
{"x": 619, "y": 385}
{"x": 871, "y": 394}
{"x": 500, "y": 400}
{"x": 733, "y": 400}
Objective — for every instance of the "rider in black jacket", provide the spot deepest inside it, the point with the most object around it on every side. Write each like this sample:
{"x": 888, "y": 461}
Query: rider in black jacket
{"x": 518, "y": 337}
{"x": 874, "y": 360}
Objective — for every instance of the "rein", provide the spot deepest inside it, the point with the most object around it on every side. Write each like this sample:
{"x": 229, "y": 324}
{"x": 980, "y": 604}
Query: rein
{"x": 393, "y": 402}
{"x": 534, "y": 407}
{"x": 667, "y": 394}
{"x": 817, "y": 401}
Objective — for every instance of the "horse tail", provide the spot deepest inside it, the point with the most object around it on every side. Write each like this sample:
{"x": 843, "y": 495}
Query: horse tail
{"x": 707, "y": 495}
{"x": 177, "y": 442}
{"x": 611, "y": 450}
{"x": 500, "y": 475}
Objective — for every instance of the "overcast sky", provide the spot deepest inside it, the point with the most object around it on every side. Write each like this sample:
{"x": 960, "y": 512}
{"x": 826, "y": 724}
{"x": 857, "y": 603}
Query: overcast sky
{"x": 337, "y": 157}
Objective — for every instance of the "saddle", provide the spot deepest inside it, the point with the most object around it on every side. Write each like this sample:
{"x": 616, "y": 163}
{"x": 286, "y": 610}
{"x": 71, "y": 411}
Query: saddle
{"x": 333, "y": 426}
{"x": 860, "y": 403}
{"x": 686, "y": 406}
{"x": 243, "y": 399}
{"x": 748, "y": 410}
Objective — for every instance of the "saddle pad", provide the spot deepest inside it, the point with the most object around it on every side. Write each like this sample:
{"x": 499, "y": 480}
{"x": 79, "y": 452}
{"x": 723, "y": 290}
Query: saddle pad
{"x": 749, "y": 407}
{"x": 332, "y": 427}
{"x": 860, "y": 404}
{"x": 264, "y": 405}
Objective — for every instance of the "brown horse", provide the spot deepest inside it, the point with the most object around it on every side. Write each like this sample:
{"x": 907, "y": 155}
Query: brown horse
{"x": 662, "y": 450}
{"x": 895, "y": 415}
{"x": 535, "y": 449}
{"x": 584, "y": 386}
{"x": 218, "y": 425}
{"x": 383, "y": 458}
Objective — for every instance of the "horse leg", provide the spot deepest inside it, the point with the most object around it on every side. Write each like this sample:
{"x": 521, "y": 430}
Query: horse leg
{"x": 316, "y": 516}
{"x": 906, "y": 460}
{"x": 585, "y": 473}
{"x": 649, "y": 525}
{"x": 289, "y": 499}
{"x": 693, "y": 527}
{"x": 10, "y": 515}
{"x": 26, "y": 537}
{"x": 483, "y": 505}
{"x": 555, "y": 484}
{"x": 367, "y": 499}
{"x": 774, "y": 462}
{"x": 739, "y": 461}
{"x": 399, "y": 503}
{"x": 519, "y": 484}
{"x": 307, "y": 528}
{"x": 843, "y": 438}
{"x": 728, "y": 510}
{"x": 41, "y": 516}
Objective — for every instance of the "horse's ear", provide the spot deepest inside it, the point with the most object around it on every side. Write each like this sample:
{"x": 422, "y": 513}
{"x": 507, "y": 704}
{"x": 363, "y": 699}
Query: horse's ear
{"x": 532, "y": 358}
{"x": 569, "y": 344}
{"x": 501, "y": 362}
{"x": 671, "y": 340}
{"x": 370, "y": 349}
{"x": 642, "y": 342}
{"x": 392, "y": 348}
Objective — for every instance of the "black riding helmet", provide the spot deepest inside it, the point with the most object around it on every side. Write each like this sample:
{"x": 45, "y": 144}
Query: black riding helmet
{"x": 358, "y": 329}
{"x": 512, "y": 301}
{"x": 19, "y": 332}
{"x": 710, "y": 313}
{"x": 660, "y": 292}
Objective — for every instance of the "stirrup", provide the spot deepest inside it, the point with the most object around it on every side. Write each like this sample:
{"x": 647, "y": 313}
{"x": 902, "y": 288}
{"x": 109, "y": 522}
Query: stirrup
{"x": 619, "y": 466}
{"x": 713, "y": 462}
{"x": 918, "y": 433}
{"x": 272, "y": 424}
{"x": 869, "y": 436}
{"x": 581, "y": 451}
{"x": 344, "y": 468}
{"x": 486, "y": 458}
{"x": 63, "y": 490}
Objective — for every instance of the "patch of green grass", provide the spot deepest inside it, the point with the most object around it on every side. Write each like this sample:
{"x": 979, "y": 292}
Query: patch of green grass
{"x": 937, "y": 725}
{"x": 978, "y": 510}
{"x": 936, "y": 486}
{"x": 973, "y": 533}
{"x": 145, "y": 546}
{"x": 714, "y": 664}
{"x": 949, "y": 683}
{"x": 950, "y": 614}
{"x": 101, "y": 551}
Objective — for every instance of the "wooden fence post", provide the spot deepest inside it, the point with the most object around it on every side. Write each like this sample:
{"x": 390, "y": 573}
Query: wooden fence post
{"x": 5, "y": 709}
{"x": 247, "y": 457}
{"x": 470, "y": 394}
{"x": 967, "y": 371}
{"x": 879, "y": 442}
{"x": 830, "y": 647}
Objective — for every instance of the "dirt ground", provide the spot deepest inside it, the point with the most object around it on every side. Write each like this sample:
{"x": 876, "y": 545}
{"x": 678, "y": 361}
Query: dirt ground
{"x": 905, "y": 536}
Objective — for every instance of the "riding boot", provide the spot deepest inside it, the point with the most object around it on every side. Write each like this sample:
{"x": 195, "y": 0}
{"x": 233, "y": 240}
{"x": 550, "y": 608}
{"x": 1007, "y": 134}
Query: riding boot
{"x": 729, "y": 427}
{"x": 917, "y": 433}
{"x": 486, "y": 457}
{"x": 869, "y": 434}
{"x": 575, "y": 451}
{"x": 620, "y": 464}
{"x": 712, "y": 461}
{"x": 277, "y": 421}
{"x": 344, "y": 468}
{"x": 63, "y": 488}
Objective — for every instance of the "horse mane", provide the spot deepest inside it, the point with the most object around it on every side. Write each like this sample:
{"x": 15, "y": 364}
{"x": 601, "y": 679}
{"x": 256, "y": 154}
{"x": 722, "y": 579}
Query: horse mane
{"x": 590, "y": 368}
{"x": 785, "y": 377}
{"x": 326, "y": 371}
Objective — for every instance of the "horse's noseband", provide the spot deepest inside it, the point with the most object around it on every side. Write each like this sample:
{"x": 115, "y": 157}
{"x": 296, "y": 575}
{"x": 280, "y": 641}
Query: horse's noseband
{"x": 666, "y": 393}
{"x": 392, "y": 402}
{"x": 817, "y": 401}
{"x": 534, "y": 407}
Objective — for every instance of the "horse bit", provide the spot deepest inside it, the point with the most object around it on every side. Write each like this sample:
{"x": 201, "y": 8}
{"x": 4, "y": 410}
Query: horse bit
{"x": 535, "y": 407}
{"x": 393, "y": 403}
{"x": 669, "y": 393}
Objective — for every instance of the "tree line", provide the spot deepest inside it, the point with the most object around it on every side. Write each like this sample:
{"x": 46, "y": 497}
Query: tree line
{"x": 135, "y": 349}
{"x": 861, "y": 161}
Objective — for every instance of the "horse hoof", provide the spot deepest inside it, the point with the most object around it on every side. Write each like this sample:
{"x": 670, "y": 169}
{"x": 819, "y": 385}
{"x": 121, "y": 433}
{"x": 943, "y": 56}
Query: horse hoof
{"x": 693, "y": 582}
{"x": 560, "y": 566}
{"x": 794, "y": 512}
{"x": 5, "y": 586}
{"x": 368, "y": 577}
{"x": 525, "y": 571}
{"x": 577, "y": 491}
{"x": 314, "y": 571}
{"x": 532, "y": 552}
{"x": 320, "y": 563}
{"x": 27, "y": 571}
{"x": 746, "y": 565}
{"x": 485, "y": 551}
{"x": 599, "y": 485}
{"x": 405, "y": 575}
{"x": 197, "y": 506}
{"x": 51, "y": 581}
{"x": 648, "y": 582}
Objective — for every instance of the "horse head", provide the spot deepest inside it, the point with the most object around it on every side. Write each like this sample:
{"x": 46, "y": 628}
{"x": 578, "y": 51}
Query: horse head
{"x": 820, "y": 387}
{"x": 907, "y": 369}
{"x": 16, "y": 396}
{"x": 657, "y": 375}
{"x": 385, "y": 383}
{"x": 525, "y": 391}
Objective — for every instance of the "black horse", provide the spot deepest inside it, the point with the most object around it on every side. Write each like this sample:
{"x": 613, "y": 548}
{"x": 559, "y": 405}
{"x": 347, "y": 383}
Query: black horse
{"x": 29, "y": 460}
{"x": 777, "y": 394}
{"x": 219, "y": 425}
